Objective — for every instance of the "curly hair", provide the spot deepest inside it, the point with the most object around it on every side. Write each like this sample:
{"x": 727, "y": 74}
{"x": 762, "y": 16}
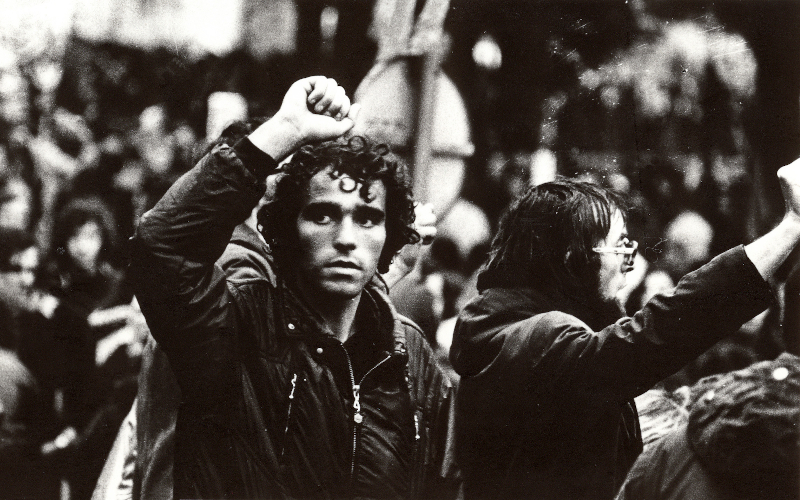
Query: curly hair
{"x": 546, "y": 237}
{"x": 358, "y": 158}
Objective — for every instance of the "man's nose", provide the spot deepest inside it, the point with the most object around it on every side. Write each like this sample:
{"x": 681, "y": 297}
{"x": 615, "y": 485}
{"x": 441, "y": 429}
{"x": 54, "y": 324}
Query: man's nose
{"x": 627, "y": 263}
{"x": 346, "y": 234}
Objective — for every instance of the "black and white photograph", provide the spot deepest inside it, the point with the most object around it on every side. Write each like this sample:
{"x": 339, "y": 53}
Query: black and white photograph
{"x": 400, "y": 249}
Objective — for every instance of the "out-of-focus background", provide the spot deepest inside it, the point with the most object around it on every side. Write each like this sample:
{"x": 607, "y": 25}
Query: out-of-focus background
{"x": 689, "y": 107}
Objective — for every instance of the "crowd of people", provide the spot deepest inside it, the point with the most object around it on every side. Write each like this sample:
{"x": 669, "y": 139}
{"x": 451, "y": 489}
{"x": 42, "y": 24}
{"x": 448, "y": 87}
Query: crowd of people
{"x": 250, "y": 406}
{"x": 70, "y": 327}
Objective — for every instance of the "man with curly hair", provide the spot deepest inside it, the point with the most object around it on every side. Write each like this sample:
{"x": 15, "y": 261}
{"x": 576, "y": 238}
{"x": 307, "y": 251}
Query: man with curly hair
{"x": 298, "y": 379}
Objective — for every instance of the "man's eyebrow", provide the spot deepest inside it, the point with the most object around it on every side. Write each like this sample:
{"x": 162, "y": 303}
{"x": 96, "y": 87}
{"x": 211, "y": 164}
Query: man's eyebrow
{"x": 373, "y": 212}
{"x": 321, "y": 204}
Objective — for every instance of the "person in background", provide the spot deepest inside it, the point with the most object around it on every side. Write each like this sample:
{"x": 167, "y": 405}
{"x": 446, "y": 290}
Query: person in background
{"x": 297, "y": 377}
{"x": 740, "y": 440}
{"x": 18, "y": 202}
{"x": 31, "y": 448}
{"x": 25, "y": 426}
{"x": 82, "y": 260}
{"x": 98, "y": 385}
{"x": 688, "y": 244}
{"x": 550, "y": 365}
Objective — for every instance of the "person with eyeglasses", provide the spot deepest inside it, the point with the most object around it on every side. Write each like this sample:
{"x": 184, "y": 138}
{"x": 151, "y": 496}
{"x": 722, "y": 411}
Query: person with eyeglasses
{"x": 550, "y": 364}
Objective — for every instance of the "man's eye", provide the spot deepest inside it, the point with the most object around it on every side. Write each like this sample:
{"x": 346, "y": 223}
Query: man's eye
{"x": 321, "y": 218}
{"x": 368, "y": 220}
{"x": 318, "y": 216}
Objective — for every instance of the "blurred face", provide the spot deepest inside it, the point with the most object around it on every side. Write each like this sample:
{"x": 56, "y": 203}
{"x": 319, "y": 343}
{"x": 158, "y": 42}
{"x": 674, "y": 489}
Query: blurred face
{"x": 614, "y": 267}
{"x": 14, "y": 106}
{"x": 341, "y": 235}
{"x": 16, "y": 283}
{"x": 84, "y": 245}
{"x": 16, "y": 212}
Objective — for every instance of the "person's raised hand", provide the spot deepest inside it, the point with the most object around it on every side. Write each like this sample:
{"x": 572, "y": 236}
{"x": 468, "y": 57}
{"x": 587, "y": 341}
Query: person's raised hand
{"x": 425, "y": 222}
{"x": 314, "y": 109}
{"x": 407, "y": 258}
{"x": 789, "y": 177}
{"x": 771, "y": 253}
{"x": 319, "y": 108}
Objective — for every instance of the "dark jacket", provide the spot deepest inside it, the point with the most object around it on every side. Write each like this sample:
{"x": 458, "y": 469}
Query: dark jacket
{"x": 545, "y": 404}
{"x": 741, "y": 441}
{"x": 269, "y": 406}
{"x": 157, "y": 406}
{"x": 25, "y": 424}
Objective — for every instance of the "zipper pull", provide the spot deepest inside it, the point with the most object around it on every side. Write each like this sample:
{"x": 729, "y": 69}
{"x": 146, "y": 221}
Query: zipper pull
{"x": 294, "y": 385}
{"x": 357, "y": 417}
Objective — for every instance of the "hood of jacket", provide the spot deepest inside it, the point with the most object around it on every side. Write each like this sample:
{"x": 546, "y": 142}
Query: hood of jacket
{"x": 503, "y": 302}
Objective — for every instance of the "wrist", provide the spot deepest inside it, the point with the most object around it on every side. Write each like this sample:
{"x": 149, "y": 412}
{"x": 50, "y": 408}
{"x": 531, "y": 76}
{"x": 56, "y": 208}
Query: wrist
{"x": 791, "y": 219}
{"x": 277, "y": 137}
{"x": 790, "y": 226}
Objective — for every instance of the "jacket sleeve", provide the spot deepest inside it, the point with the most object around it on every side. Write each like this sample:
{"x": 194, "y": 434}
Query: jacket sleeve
{"x": 116, "y": 478}
{"x": 436, "y": 473}
{"x": 182, "y": 293}
{"x": 668, "y": 332}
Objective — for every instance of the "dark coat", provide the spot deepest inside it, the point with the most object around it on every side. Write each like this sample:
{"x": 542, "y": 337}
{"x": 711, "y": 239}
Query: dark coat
{"x": 25, "y": 424}
{"x": 269, "y": 404}
{"x": 545, "y": 403}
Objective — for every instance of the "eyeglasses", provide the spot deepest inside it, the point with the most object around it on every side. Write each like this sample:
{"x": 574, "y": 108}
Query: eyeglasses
{"x": 628, "y": 249}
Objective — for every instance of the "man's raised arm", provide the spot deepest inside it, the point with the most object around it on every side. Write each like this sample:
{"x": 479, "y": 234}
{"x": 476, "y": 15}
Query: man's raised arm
{"x": 177, "y": 242}
{"x": 769, "y": 252}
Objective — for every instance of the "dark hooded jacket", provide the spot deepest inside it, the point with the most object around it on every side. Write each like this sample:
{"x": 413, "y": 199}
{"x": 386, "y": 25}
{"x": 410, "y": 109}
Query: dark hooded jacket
{"x": 270, "y": 406}
{"x": 741, "y": 442}
{"x": 545, "y": 403}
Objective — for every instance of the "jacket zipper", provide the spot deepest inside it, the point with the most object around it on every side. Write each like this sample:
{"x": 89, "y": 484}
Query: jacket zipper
{"x": 418, "y": 460}
{"x": 289, "y": 414}
{"x": 357, "y": 407}
{"x": 357, "y": 416}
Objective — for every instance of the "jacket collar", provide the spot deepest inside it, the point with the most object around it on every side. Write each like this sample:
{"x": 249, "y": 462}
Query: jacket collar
{"x": 301, "y": 315}
{"x": 544, "y": 297}
{"x": 308, "y": 323}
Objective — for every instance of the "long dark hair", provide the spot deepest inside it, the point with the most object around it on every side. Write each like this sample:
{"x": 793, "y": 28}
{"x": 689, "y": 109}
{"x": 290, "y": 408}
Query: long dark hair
{"x": 545, "y": 238}
{"x": 358, "y": 158}
{"x": 73, "y": 215}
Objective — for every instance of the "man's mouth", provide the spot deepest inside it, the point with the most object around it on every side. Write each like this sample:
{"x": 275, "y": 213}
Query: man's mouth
{"x": 344, "y": 264}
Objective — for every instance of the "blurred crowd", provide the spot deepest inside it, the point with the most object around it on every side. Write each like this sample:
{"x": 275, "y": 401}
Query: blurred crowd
{"x": 72, "y": 186}
{"x": 75, "y": 179}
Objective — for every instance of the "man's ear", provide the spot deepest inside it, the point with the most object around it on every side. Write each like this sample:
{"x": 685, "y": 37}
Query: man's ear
{"x": 568, "y": 261}
{"x": 572, "y": 263}
{"x": 266, "y": 221}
